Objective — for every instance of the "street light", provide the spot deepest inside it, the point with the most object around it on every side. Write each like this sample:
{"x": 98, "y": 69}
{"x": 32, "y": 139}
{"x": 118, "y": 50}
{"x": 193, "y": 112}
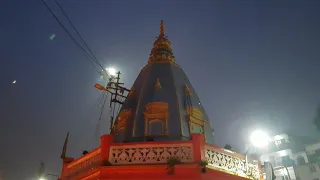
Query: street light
{"x": 259, "y": 139}
{"x": 111, "y": 71}
{"x": 44, "y": 177}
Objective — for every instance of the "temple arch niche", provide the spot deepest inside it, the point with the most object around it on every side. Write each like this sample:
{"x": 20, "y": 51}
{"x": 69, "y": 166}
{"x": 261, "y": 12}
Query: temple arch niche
{"x": 156, "y": 119}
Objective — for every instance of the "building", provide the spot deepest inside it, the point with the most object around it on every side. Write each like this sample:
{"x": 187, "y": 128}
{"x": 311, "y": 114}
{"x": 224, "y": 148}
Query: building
{"x": 161, "y": 132}
{"x": 290, "y": 157}
{"x": 309, "y": 169}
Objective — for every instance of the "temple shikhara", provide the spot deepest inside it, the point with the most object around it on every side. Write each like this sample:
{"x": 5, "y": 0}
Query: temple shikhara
{"x": 161, "y": 132}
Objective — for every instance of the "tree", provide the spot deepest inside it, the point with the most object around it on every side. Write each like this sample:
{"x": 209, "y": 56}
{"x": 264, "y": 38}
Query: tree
{"x": 228, "y": 146}
{"x": 317, "y": 119}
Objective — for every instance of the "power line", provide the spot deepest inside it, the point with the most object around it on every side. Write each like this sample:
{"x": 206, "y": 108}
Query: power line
{"x": 73, "y": 39}
{"x": 75, "y": 29}
{"x": 101, "y": 113}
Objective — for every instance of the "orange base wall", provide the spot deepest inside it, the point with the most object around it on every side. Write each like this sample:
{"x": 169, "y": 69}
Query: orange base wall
{"x": 158, "y": 172}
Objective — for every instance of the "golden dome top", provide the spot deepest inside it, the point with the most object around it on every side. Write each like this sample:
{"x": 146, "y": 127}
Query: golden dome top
{"x": 161, "y": 51}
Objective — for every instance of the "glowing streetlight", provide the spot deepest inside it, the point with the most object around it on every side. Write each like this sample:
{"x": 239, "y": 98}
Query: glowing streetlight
{"x": 111, "y": 71}
{"x": 44, "y": 177}
{"x": 259, "y": 139}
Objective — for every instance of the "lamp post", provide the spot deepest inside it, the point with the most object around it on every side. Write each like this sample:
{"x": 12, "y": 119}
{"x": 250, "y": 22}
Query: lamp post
{"x": 258, "y": 139}
{"x": 44, "y": 177}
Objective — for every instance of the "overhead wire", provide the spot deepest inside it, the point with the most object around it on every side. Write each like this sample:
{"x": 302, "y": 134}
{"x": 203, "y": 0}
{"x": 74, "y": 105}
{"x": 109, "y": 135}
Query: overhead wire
{"x": 87, "y": 55}
{"x": 75, "y": 29}
{"x": 101, "y": 113}
{"x": 94, "y": 108}
{"x": 90, "y": 56}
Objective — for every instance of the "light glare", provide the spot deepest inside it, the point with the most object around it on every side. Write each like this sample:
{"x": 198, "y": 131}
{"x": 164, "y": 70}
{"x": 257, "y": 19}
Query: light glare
{"x": 111, "y": 71}
{"x": 259, "y": 139}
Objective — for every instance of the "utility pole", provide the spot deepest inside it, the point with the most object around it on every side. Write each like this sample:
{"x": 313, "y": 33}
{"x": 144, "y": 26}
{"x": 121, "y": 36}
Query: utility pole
{"x": 117, "y": 90}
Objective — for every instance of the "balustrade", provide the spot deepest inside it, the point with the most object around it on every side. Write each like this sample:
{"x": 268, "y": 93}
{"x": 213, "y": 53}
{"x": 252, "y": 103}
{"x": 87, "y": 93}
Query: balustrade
{"x": 89, "y": 161}
{"x": 231, "y": 162}
{"x": 150, "y": 153}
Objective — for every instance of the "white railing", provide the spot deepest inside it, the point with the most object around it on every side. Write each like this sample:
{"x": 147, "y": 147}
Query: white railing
{"x": 150, "y": 153}
{"x": 89, "y": 161}
{"x": 231, "y": 163}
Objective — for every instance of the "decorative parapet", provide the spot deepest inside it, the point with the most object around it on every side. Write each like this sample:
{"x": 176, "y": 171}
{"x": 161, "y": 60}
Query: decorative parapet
{"x": 82, "y": 165}
{"x": 231, "y": 162}
{"x": 145, "y": 153}
{"x": 150, "y": 153}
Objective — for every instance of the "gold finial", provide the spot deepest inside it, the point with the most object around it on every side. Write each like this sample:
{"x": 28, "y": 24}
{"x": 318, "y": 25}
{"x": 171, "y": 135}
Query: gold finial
{"x": 157, "y": 85}
{"x": 161, "y": 28}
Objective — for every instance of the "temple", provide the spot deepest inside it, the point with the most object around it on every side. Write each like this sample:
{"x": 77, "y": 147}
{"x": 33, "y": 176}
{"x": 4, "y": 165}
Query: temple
{"x": 161, "y": 132}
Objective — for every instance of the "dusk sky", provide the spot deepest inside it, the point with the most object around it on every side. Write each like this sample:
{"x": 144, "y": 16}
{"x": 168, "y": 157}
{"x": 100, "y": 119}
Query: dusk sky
{"x": 254, "y": 64}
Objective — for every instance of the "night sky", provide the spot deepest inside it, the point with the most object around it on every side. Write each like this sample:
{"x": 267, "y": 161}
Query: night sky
{"x": 253, "y": 65}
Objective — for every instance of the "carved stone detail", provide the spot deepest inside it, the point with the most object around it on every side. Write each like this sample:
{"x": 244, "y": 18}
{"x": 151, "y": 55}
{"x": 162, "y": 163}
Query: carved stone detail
{"x": 194, "y": 115}
{"x": 151, "y": 154}
{"x": 231, "y": 164}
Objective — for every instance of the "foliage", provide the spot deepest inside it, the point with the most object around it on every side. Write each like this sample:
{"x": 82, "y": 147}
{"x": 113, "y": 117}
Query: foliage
{"x": 228, "y": 146}
{"x": 172, "y": 161}
{"x": 317, "y": 118}
{"x": 203, "y": 163}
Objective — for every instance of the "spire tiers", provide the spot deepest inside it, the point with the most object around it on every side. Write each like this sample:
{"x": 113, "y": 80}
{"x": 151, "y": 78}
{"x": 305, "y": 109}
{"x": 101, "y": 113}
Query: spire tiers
{"x": 161, "y": 51}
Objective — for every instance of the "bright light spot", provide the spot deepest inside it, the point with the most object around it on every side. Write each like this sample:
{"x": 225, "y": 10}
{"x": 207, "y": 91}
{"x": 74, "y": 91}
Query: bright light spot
{"x": 14, "y": 81}
{"x": 282, "y": 153}
{"x": 42, "y": 179}
{"x": 111, "y": 71}
{"x": 260, "y": 139}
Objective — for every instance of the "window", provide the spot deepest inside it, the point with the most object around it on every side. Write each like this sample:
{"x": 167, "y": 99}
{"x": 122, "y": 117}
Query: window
{"x": 300, "y": 160}
{"x": 312, "y": 168}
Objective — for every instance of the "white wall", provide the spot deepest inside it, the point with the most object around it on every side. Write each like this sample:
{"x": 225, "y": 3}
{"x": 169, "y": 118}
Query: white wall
{"x": 277, "y": 157}
{"x": 304, "y": 172}
{"x": 282, "y": 172}
{"x": 310, "y": 149}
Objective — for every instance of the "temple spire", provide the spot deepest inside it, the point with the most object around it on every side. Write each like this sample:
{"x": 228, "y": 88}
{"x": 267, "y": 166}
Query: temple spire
{"x": 161, "y": 28}
{"x": 161, "y": 51}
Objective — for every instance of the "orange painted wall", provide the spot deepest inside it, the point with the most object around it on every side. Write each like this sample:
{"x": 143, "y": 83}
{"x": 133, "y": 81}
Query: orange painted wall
{"x": 189, "y": 171}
